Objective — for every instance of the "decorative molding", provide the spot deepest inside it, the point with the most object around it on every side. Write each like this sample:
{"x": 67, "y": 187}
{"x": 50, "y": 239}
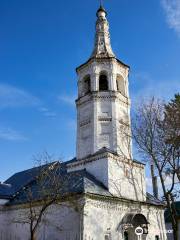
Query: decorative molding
{"x": 105, "y": 96}
{"x": 99, "y": 156}
{"x": 85, "y": 122}
{"x": 120, "y": 204}
{"x": 105, "y": 119}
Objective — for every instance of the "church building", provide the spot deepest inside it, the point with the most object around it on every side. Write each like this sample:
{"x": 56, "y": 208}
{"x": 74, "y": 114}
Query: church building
{"x": 110, "y": 184}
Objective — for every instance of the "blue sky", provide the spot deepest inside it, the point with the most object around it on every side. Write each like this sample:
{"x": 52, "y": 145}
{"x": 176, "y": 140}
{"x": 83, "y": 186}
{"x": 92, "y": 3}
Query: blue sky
{"x": 41, "y": 44}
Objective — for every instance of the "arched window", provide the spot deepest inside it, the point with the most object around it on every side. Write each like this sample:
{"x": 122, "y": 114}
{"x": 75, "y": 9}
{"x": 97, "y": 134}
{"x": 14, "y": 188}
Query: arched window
{"x": 120, "y": 84}
{"x": 103, "y": 83}
{"x": 87, "y": 84}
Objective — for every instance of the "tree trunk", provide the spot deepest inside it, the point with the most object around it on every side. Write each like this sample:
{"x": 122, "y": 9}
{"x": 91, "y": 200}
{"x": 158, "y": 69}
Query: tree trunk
{"x": 171, "y": 208}
{"x": 175, "y": 232}
{"x": 178, "y": 175}
{"x": 32, "y": 232}
{"x": 33, "y": 236}
{"x": 175, "y": 219}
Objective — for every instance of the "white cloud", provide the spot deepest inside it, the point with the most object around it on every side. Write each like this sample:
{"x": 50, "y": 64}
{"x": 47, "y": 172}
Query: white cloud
{"x": 11, "y": 135}
{"x": 172, "y": 11}
{"x": 148, "y": 87}
{"x": 46, "y": 112}
{"x": 11, "y": 96}
{"x": 67, "y": 99}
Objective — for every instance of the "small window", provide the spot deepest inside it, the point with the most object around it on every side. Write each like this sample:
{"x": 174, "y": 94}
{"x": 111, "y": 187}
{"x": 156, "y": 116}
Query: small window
{"x": 157, "y": 237}
{"x": 103, "y": 83}
{"x": 87, "y": 85}
{"x": 107, "y": 236}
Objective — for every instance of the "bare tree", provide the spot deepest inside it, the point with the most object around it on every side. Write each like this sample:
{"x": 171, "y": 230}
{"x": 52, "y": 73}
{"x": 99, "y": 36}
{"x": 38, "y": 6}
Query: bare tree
{"x": 172, "y": 124}
{"x": 47, "y": 188}
{"x": 150, "y": 135}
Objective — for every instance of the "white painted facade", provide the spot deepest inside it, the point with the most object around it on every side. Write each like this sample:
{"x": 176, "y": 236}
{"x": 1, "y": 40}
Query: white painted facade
{"x": 116, "y": 174}
{"x": 59, "y": 222}
{"x": 104, "y": 150}
{"x": 99, "y": 217}
{"x": 103, "y": 115}
{"x": 104, "y": 218}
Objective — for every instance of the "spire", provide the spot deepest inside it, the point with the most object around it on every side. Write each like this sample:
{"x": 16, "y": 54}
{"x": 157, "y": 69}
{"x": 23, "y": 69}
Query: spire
{"x": 102, "y": 48}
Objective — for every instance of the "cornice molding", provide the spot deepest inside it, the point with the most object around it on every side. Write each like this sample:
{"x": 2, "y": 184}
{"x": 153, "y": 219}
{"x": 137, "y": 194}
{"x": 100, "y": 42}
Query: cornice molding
{"x": 117, "y": 201}
{"x": 105, "y": 96}
{"x": 107, "y": 155}
{"x": 68, "y": 199}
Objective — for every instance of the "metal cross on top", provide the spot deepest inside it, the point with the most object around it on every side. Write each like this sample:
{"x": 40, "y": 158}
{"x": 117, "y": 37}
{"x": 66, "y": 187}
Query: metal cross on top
{"x": 101, "y": 2}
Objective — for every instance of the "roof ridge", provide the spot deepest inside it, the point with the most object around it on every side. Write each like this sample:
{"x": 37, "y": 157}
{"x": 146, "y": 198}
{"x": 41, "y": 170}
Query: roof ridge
{"x": 29, "y": 169}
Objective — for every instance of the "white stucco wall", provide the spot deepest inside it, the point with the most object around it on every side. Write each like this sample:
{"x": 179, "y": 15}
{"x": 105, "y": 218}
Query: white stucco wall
{"x": 100, "y": 112}
{"x": 99, "y": 216}
{"x": 59, "y": 222}
{"x": 98, "y": 168}
{"x": 104, "y": 217}
{"x": 124, "y": 179}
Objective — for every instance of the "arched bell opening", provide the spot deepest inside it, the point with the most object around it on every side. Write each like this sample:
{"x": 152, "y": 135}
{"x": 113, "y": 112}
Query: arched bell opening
{"x": 86, "y": 84}
{"x": 103, "y": 82}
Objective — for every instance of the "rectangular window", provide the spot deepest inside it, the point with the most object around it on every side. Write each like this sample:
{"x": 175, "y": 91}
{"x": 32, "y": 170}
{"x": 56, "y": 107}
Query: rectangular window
{"x": 107, "y": 236}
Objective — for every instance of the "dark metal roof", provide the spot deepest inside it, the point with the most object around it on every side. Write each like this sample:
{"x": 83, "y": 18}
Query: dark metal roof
{"x": 136, "y": 161}
{"x": 105, "y": 150}
{"x": 5, "y": 191}
{"x": 75, "y": 182}
{"x": 152, "y": 200}
{"x": 19, "y": 180}
{"x": 107, "y": 58}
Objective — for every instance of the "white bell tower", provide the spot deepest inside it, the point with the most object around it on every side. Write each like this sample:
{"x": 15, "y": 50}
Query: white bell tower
{"x": 103, "y": 120}
{"x": 103, "y": 105}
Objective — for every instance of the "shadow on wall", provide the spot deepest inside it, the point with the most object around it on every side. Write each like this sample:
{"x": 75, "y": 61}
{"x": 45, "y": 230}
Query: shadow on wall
{"x": 127, "y": 178}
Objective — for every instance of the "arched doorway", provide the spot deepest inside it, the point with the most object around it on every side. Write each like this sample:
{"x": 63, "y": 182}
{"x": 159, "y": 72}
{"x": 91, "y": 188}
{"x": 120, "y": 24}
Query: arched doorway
{"x": 130, "y": 222}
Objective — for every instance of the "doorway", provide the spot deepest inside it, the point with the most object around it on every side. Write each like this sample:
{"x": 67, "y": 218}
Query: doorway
{"x": 130, "y": 222}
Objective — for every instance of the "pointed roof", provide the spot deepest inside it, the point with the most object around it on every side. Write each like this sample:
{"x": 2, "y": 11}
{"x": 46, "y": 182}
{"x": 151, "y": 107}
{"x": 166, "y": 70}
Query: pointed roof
{"x": 102, "y": 45}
